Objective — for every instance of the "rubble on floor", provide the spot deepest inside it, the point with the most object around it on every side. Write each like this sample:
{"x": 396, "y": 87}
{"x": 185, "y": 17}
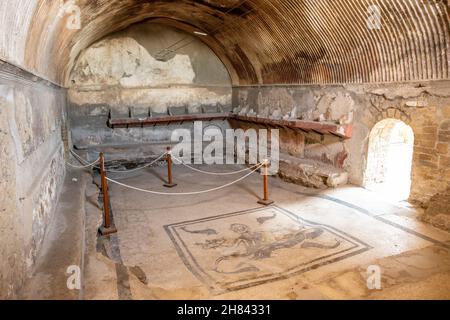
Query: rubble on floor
{"x": 438, "y": 211}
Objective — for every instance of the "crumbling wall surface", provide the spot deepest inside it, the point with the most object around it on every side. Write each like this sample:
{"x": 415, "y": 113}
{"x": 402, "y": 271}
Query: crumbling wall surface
{"x": 128, "y": 74}
{"x": 424, "y": 106}
{"x": 438, "y": 210}
{"x": 31, "y": 170}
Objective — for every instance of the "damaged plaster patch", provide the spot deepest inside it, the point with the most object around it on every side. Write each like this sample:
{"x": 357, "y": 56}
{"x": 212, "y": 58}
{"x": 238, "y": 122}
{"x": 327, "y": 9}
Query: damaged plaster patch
{"x": 158, "y": 99}
{"x": 14, "y": 131}
{"x": 24, "y": 121}
{"x": 124, "y": 62}
{"x": 336, "y": 107}
{"x": 438, "y": 211}
{"x": 161, "y": 99}
{"x": 120, "y": 73}
{"x": 279, "y": 97}
{"x": 44, "y": 202}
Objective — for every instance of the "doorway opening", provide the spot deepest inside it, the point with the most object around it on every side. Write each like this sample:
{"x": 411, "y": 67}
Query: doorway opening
{"x": 388, "y": 172}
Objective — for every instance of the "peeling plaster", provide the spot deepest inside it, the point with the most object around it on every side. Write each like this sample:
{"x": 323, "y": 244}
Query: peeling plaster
{"x": 124, "y": 62}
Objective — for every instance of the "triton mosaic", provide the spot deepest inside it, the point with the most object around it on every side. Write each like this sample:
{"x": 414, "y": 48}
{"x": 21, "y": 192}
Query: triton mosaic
{"x": 227, "y": 254}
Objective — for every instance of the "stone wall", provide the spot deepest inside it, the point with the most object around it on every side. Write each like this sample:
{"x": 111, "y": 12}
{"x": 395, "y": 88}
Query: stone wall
{"x": 31, "y": 170}
{"x": 127, "y": 74}
{"x": 424, "y": 106}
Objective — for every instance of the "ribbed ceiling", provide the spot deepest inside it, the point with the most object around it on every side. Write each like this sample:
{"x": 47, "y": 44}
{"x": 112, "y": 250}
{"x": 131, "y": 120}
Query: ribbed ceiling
{"x": 260, "y": 41}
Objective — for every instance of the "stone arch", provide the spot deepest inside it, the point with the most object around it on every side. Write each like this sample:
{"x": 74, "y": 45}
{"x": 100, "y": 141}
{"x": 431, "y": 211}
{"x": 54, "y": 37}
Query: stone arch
{"x": 389, "y": 158}
{"x": 394, "y": 113}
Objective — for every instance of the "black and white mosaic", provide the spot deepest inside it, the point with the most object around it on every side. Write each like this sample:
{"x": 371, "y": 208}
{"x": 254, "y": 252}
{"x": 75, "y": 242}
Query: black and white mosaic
{"x": 244, "y": 249}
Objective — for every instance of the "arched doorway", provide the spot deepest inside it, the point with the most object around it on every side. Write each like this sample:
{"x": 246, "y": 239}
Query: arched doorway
{"x": 388, "y": 172}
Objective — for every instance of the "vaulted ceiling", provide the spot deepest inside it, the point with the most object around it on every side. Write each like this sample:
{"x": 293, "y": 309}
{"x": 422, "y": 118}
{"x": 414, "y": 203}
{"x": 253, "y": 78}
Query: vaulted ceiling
{"x": 260, "y": 41}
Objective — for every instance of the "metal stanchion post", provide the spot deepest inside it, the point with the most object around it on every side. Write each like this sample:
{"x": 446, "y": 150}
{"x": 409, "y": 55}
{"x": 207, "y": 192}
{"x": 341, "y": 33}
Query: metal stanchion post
{"x": 108, "y": 227}
{"x": 169, "y": 183}
{"x": 266, "y": 201}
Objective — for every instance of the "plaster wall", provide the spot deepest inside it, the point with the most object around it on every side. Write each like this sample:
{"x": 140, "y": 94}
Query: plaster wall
{"x": 124, "y": 76}
{"x": 32, "y": 114}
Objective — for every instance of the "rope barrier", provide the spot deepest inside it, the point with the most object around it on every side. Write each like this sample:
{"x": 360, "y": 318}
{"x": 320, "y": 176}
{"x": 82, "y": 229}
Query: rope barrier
{"x": 137, "y": 169}
{"x": 81, "y": 167}
{"x": 213, "y": 173}
{"x": 79, "y": 158}
{"x": 108, "y": 226}
{"x": 186, "y": 193}
{"x": 252, "y": 169}
{"x": 110, "y": 170}
{"x": 153, "y": 162}
{"x": 82, "y": 161}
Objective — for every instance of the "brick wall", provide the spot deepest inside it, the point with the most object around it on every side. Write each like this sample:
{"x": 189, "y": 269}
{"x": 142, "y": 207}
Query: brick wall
{"x": 424, "y": 106}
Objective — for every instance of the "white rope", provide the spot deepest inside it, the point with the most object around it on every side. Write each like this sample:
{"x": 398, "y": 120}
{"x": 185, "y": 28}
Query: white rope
{"x": 86, "y": 164}
{"x": 185, "y": 193}
{"x": 110, "y": 170}
{"x": 213, "y": 173}
{"x": 81, "y": 167}
{"x": 78, "y": 157}
{"x": 137, "y": 169}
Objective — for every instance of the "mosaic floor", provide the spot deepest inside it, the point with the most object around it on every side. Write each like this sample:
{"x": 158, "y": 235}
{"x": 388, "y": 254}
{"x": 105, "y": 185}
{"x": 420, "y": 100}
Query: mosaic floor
{"x": 243, "y": 249}
{"x": 309, "y": 245}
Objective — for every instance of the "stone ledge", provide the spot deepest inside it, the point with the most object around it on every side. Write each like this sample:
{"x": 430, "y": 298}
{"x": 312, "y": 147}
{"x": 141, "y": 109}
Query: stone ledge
{"x": 311, "y": 173}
